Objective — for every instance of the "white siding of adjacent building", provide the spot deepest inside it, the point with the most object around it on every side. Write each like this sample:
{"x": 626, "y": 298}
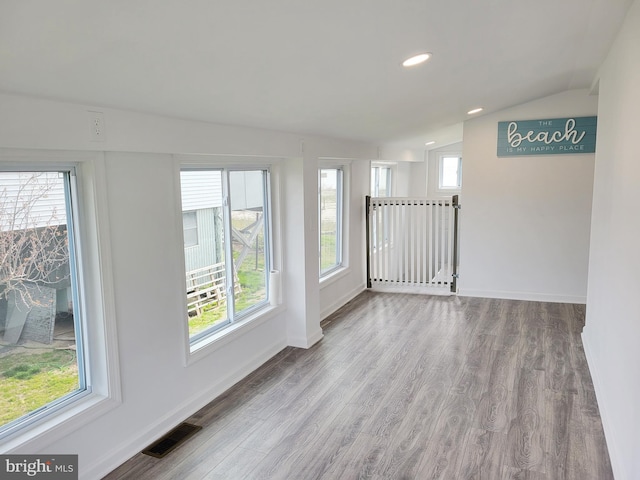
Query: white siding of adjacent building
{"x": 208, "y": 250}
{"x": 201, "y": 189}
{"x": 247, "y": 190}
{"x": 19, "y": 188}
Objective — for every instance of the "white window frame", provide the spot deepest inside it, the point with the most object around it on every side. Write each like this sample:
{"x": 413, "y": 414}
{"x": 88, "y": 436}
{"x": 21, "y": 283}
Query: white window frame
{"x": 447, "y": 189}
{"x": 252, "y": 318}
{"x": 342, "y": 265}
{"x": 375, "y": 177}
{"x": 95, "y": 279}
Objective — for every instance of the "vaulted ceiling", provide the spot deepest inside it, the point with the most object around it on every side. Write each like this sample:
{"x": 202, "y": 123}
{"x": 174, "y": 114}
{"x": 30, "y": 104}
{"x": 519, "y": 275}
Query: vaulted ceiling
{"x": 326, "y": 67}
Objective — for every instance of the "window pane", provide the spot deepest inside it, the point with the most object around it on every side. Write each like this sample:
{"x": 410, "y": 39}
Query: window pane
{"x": 450, "y": 174}
{"x": 205, "y": 264}
{"x": 248, "y": 222}
{"x": 330, "y": 218}
{"x": 190, "y": 228}
{"x": 374, "y": 181}
{"x": 384, "y": 188}
{"x": 39, "y": 317}
{"x": 380, "y": 181}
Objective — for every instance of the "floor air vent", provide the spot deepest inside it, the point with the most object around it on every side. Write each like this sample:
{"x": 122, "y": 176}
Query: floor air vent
{"x": 171, "y": 440}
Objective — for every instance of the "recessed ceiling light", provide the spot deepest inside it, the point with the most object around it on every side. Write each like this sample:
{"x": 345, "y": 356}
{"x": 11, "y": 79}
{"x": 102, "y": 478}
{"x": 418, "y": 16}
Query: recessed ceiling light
{"x": 475, "y": 110}
{"x": 416, "y": 60}
{"x": 430, "y": 143}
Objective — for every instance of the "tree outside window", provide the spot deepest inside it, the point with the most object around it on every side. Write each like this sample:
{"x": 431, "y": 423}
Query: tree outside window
{"x": 39, "y": 341}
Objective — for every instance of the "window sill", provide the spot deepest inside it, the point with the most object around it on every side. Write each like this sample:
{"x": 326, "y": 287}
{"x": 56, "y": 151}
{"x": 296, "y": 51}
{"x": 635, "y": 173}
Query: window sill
{"x": 209, "y": 344}
{"x": 334, "y": 276}
{"x": 57, "y": 425}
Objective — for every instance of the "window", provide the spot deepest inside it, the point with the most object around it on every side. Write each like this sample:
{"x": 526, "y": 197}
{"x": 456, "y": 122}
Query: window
{"x": 381, "y": 181}
{"x": 228, "y": 265}
{"x": 381, "y": 176}
{"x": 190, "y": 228}
{"x": 450, "y": 172}
{"x": 56, "y": 294}
{"x": 42, "y": 363}
{"x": 330, "y": 215}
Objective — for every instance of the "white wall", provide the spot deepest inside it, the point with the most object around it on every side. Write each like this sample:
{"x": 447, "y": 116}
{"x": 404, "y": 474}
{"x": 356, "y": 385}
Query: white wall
{"x": 158, "y": 388}
{"x": 418, "y": 178}
{"x": 612, "y": 327}
{"x": 402, "y": 182}
{"x": 525, "y": 221}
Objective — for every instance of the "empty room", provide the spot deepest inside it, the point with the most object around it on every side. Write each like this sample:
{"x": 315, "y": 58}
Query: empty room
{"x": 319, "y": 240}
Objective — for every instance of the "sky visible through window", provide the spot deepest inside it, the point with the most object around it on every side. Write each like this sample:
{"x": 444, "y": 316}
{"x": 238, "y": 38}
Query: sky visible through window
{"x": 450, "y": 173}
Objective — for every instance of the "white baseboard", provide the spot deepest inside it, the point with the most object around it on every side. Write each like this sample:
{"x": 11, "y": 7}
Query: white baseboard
{"x": 426, "y": 290}
{"x": 529, "y": 296}
{"x": 341, "y": 301}
{"x": 118, "y": 456}
{"x": 306, "y": 342}
{"x": 596, "y": 377}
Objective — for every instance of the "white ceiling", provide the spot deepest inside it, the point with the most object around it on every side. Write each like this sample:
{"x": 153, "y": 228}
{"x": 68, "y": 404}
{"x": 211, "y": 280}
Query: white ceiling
{"x": 327, "y": 67}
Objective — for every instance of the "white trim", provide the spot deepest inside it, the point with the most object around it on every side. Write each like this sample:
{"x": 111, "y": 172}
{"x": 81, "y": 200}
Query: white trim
{"x": 600, "y": 391}
{"x": 179, "y": 230}
{"x": 194, "y": 351}
{"x": 383, "y": 163}
{"x": 209, "y": 344}
{"x": 106, "y": 285}
{"x": 324, "y": 162}
{"x": 528, "y": 296}
{"x": 333, "y": 276}
{"x": 343, "y": 179}
{"x": 392, "y": 166}
{"x": 417, "y": 289}
{"x": 346, "y": 216}
{"x": 102, "y": 364}
{"x": 306, "y": 342}
{"x": 243, "y": 162}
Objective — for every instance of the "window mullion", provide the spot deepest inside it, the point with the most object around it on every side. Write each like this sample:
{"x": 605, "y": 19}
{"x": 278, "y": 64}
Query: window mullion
{"x": 339, "y": 216}
{"x": 228, "y": 247}
{"x": 266, "y": 226}
{"x": 320, "y": 218}
{"x": 71, "y": 193}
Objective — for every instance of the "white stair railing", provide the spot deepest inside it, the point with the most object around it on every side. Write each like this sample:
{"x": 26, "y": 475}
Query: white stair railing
{"x": 411, "y": 243}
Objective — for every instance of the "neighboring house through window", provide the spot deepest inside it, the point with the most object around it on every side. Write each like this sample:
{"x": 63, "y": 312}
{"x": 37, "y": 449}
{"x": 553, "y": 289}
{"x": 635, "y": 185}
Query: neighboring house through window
{"x": 226, "y": 239}
{"x": 190, "y": 228}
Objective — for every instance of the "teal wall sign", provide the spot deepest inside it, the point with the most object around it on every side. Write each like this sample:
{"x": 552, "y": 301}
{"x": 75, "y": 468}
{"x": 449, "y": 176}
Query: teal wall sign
{"x": 554, "y": 136}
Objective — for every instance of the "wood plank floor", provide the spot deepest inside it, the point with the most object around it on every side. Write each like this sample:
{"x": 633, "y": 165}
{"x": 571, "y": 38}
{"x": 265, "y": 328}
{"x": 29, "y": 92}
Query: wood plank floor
{"x": 408, "y": 387}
